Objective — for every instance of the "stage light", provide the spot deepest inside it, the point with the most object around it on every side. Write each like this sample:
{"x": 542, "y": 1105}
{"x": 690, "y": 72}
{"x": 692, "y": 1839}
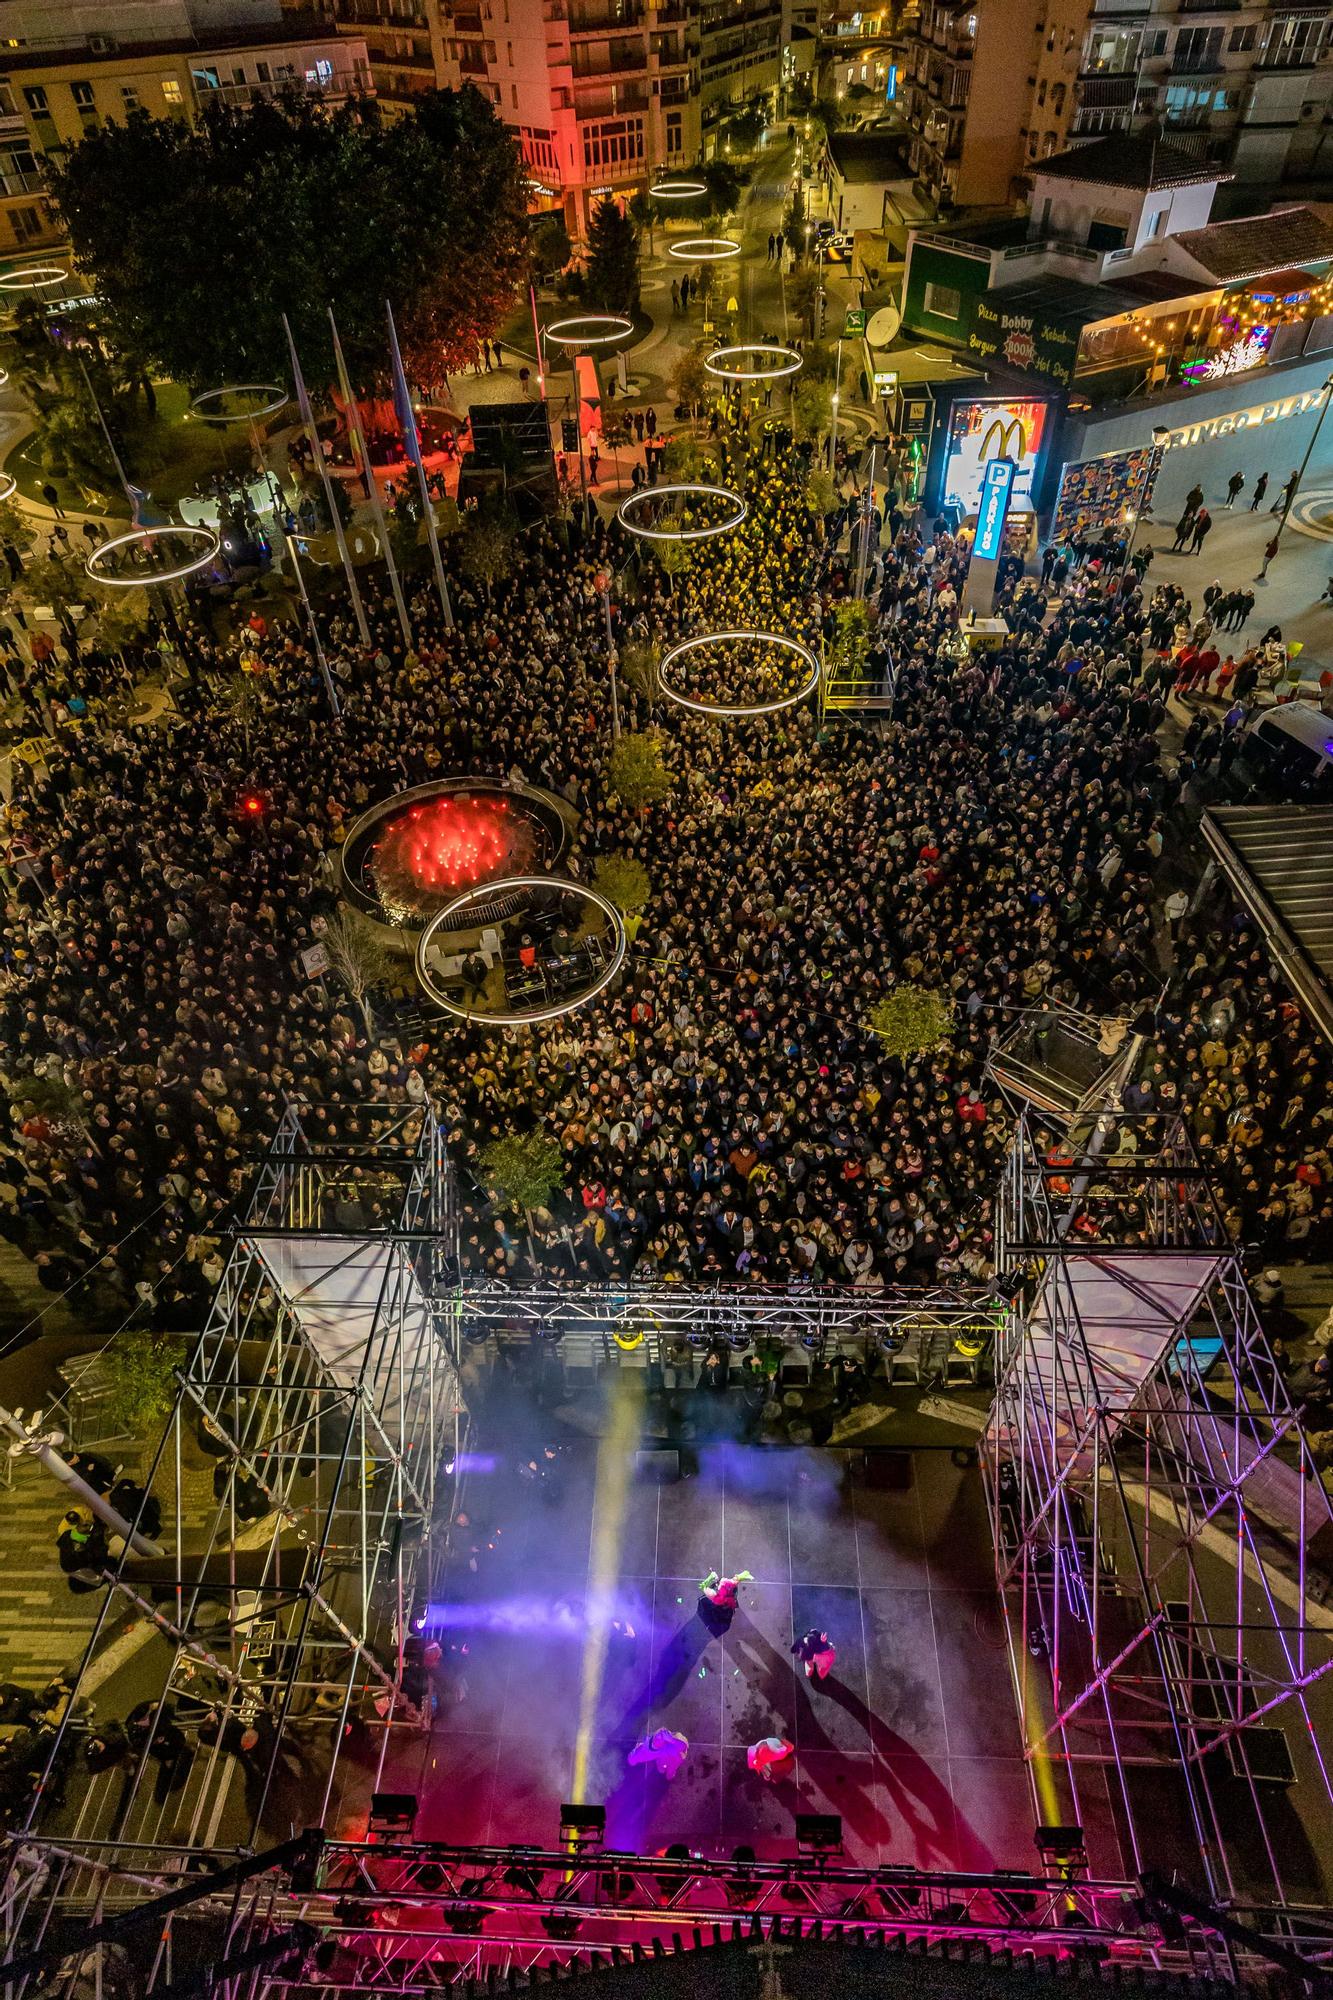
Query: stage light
{"x": 392, "y": 1813}
{"x": 582, "y": 1827}
{"x": 561, "y": 1927}
{"x": 1061, "y": 1845}
{"x": 253, "y": 804}
{"x": 819, "y": 1833}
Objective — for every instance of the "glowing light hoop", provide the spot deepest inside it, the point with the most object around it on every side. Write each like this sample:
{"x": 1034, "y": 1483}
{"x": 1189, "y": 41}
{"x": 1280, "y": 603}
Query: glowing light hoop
{"x": 9, "y": 486}
{"x": 739, "y": 511}
{"x": 486, "y": 892}
{"x": 704, "y": 249}
{"x": 777, "y": 639}
{"x": 33, "y": 278}
{"x": 276, "y": 394}
{"x": 685, "y": 190}
{"x": 791, "y": 362}
{"x": 616, "y": 324}
{"x": 142, "y": 538}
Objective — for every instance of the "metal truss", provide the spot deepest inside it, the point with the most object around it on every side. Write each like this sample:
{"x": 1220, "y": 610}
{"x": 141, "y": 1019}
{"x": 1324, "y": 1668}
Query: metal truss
{"x": 1154, "y": 1507}
{"x": 409, "y": 1917}
{"x": 296, "y": 1476}
{"x": 638, "y": 1325}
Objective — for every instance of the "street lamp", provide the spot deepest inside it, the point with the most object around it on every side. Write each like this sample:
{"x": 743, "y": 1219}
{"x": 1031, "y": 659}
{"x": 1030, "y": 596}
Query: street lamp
{"x": 602, "y": 580}
{"x": 1296, "y": 485}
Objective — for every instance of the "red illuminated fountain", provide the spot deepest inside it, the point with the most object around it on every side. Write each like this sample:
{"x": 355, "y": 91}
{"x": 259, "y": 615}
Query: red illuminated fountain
{"x": 430, "y": 851}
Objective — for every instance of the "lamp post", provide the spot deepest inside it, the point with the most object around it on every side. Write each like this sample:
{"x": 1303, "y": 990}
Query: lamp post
{"x": 1296, "y": 487}
{"x": 602, "y": 580}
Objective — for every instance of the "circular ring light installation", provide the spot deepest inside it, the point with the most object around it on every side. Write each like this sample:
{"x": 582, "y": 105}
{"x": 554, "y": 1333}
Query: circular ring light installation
{"x": 589, "y": 330}
{"x": 8, "y": 486}
{"x": 486, "y": 892}
{"x": 728, "y": 364}
{"x": 636, "y": 502}
{"x": 704, "y": 249}
{"x": 33, "y": 278}
{"x": 202, "y": 541}
{"x": 777, "y": 640}
{"x": 678, "y": 190}
{"x": 265, "y": 399}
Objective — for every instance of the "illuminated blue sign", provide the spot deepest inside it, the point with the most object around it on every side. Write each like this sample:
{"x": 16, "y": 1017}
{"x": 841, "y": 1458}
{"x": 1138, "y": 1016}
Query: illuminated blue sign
{"x": 996, "y": 486}
{"x": 891, "y": 89}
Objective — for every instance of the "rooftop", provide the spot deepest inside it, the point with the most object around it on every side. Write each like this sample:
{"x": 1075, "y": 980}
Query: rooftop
{"x": 288, "y": 32}
{"x": 1256, "y": 244}
{"x": 1141, "y": 160}
{"x": 867, "y": 157}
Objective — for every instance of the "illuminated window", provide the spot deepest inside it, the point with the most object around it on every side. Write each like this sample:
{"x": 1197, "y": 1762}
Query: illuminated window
{"x": 171, "y": 90}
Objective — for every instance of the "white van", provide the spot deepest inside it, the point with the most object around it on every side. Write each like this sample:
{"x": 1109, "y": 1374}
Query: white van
{"x": 1286, "y": 757}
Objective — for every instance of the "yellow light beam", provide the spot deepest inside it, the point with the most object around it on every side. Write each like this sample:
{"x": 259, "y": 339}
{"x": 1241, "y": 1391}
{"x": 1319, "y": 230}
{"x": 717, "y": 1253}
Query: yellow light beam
{"x": 615, "y": 1459}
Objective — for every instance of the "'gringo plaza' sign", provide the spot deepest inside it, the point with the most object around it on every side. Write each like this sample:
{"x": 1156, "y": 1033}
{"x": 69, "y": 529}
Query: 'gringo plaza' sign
{"x": 1245, "y": 420}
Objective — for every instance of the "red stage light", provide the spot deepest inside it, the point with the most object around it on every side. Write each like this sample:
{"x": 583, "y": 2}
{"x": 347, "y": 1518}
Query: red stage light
{"x": 253, "y": 803}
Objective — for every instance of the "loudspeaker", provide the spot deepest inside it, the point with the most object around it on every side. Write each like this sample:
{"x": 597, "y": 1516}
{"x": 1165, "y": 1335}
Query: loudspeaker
{"x": 660, "y": 1466}
{"x": 393, "y": 1812}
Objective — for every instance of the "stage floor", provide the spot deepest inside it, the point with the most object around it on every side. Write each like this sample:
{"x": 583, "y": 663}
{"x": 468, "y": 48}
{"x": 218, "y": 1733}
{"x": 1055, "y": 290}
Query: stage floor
{"x": 913, "y": 1740}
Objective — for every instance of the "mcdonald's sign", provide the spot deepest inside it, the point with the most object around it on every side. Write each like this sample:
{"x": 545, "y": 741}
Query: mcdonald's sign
{"x": 985, "y": 428}
{"x": 1004, "y": 439}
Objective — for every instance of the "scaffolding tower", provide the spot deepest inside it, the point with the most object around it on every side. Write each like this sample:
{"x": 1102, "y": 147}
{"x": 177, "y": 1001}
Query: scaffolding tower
{"x": 296, "y": 1477}
{"x": 1163, "y": 1544}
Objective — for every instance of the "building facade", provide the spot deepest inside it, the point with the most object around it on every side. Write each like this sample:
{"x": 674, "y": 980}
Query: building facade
{"x": 60, "y": 80}
{"x": 409, "y": 43}
{"x": 990, "y": 88}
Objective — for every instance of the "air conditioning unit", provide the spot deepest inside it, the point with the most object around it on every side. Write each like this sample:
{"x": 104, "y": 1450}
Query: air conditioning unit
{"x": 103, "y": 45}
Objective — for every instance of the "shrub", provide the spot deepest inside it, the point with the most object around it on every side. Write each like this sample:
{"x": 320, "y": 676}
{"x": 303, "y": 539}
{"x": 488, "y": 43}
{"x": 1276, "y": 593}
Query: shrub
{"x": 623, "y": 881}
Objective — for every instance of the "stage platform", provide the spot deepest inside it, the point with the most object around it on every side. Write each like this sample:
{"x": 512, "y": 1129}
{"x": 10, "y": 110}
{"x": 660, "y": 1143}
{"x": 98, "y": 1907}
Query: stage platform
{"x": 913, "y": 1741}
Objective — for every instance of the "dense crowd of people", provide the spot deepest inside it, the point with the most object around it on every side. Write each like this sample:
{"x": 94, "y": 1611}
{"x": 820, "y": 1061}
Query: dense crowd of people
{"x": 724, "y": 1113}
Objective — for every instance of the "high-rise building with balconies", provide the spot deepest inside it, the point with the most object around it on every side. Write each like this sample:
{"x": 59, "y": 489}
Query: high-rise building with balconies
{"x": 990, "y": 88}
{"x": 408, "y": 42}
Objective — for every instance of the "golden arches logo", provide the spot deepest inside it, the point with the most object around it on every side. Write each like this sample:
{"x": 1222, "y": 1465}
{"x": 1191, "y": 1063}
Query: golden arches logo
{"x": 1004, "y": 435}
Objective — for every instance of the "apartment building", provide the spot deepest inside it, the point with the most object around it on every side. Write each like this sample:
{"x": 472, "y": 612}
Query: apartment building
{"x": 990, "y": 88}
{"x": 409, "y": 44}
{"x": 61, "y": 78}
{"x": 1247, "y": 87}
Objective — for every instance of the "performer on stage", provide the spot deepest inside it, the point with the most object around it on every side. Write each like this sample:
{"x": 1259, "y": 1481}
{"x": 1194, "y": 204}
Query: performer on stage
{"x": 666, "y": 1750}
{"x": 718, "y": 1596}
{"x": 772, "y": 1757}
{"x": 817, "y": 1653}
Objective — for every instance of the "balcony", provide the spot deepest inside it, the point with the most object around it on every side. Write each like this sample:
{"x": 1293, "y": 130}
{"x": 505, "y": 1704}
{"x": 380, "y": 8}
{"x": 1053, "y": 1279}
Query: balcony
{"x": 618, "y": 62}
{"x": 602, "y": 21}
{"x": 12, "y": 185}
{"x": 1107, "y": 90}
{"x": 469, "y": 25}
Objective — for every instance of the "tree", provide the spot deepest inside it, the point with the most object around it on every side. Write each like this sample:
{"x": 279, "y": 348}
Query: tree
{"x": 675, "y": 559}
{"x": 549, "y": 247}
{"x": 122, "y": 621}
{"x": 745, "y": 126}
{"x": 638, "y": 666}
{"x": 636, "y": 770}
{"x": 359, "y": 960}
{"x": 142, "y": 1369}
{"x": 611, "y": 274}
{"x": 623, "y": 880}
{"x": 724, "y": 181}
{"x": 851, "y": 640}
{"x": 52, "y": 1099}
{"x": 690, "y": 382}
{"x": 524, "y": 1168}
{"x": 911, "y": 1020}
{"x": 793, "y": 223}
{"x": 803, "y": 298}
{"x": 812, "y": 409}
{"x": 16, "y": 527}
{"x": 487, "y": 551}
{"x": 198, "y": 239}
{"x": 645, "y": 215}
{"x": 58, "y": 581}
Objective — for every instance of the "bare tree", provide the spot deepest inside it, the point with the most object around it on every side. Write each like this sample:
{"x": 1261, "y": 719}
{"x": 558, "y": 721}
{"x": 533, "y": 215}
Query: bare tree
{"x": 360, "y": 961}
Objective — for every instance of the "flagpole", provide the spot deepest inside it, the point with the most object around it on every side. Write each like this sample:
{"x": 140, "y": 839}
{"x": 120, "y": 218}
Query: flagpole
{"x": 308, "y": 418}
{"x": 412, "y": 446}
{"x": 297, "y": 571}
{"x": 376, "y": 502}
